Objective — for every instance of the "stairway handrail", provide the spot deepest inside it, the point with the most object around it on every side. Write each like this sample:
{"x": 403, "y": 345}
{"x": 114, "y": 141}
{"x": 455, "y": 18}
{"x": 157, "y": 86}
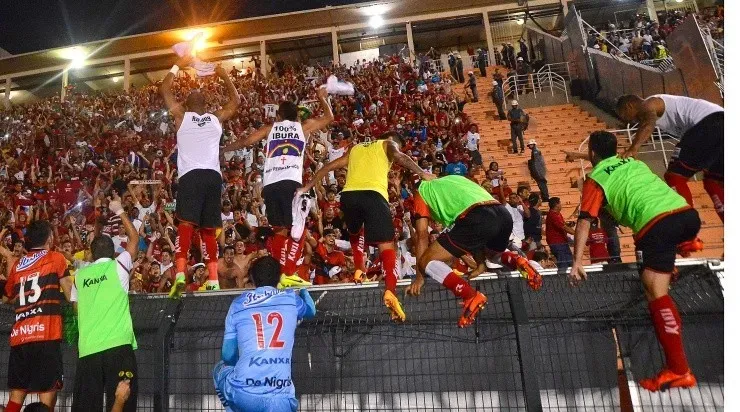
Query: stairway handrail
{"x": 656, "y": 140}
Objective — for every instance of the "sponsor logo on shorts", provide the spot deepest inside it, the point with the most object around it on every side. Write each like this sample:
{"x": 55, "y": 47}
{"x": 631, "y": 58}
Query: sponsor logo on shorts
{"x": 272, "y": 382}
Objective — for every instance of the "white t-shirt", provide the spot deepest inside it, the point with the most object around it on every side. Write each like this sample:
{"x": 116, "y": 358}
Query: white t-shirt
{"x": 123, "y": 268}
{"x": 224, "y": 217}
{"x": 252, "y": 220}
{"x": 473, "y": 139}
{"x": 516, "y": 215}
{"x": 198, "y": 143}
{"x": 271, "y": 110}
{"x": 118, "y": 242}
{"x": 284, "y": 153}
{"x": 143, "y": 211}
{"x": 682, "y": 113}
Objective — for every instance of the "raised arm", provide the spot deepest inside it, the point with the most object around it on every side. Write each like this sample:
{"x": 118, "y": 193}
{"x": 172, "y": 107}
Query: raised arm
{"x": 132, "y": 246}
{"x": 165, "y": 89}
{"x": 230, "y": 108}
{"x": 312, "y": 125}
{"x": 397, "y": 156}
{"x": 340, "y": 163}
{"x": 250, "y": 140}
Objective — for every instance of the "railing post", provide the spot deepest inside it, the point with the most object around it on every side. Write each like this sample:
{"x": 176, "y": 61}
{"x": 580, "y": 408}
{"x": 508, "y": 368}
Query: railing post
{"x": 164, "y": 337}
{"x": 534, "y": 90}
{"x": 662, "y": 147}
{"x": 524, "y": 345}
{"x": 552, "y": 92}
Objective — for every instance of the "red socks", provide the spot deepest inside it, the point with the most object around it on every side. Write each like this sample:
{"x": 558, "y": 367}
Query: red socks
{"x": 680, "y": 184}
{"x": 667, "y": 323}
{"x": 716, "y": 190}
{"x": 182, "y": 246}
{"x": 293, "y": 252}
{"x": 276, "y": 247}
{"x": 286, "y": 251}
{"x": 509, "y": 259}
{"x": 358, "y": 250}
{"x": 388, "y": 261}
{"x": 13, "y": 407}
{"x": 458, "y": 286}
{"x": 210, "y": 255}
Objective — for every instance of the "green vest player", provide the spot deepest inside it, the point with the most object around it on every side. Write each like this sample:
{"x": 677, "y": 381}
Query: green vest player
{"x": 663, "y": 223}
{"x": 106, "y": 342}
{"x": 481, "y": 229}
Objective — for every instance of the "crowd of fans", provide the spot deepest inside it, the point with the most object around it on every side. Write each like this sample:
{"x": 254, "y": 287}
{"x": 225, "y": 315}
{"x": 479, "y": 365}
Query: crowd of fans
{"x": 63, "y": 160}
{"x": 642, "y": 39}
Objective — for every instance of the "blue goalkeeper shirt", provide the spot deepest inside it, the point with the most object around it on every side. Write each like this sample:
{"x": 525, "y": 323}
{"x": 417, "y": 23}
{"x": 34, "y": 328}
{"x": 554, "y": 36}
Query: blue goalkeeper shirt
{"x": 263, "y": 322}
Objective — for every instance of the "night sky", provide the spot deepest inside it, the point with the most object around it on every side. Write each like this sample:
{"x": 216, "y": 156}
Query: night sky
{"x": 30, "y": 25}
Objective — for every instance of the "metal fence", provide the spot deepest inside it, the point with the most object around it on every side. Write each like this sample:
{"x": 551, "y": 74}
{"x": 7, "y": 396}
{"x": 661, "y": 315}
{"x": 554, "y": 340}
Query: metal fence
{"x": 557, "y": 349}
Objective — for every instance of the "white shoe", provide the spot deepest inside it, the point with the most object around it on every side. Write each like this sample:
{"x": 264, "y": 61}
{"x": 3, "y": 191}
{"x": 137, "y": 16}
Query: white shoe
{"x": 301, "y": 208}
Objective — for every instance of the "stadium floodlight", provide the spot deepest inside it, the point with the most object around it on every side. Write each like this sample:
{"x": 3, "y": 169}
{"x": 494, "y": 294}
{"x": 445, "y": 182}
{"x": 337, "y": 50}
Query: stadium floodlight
{"x": 115, "y": 79}
{"x": 7, "y": 135}
{"x": 198, "y": 37}
{"x": 376, "y": 21}
{"x": 520, "y": 21}
{"x": 76, "y": 55}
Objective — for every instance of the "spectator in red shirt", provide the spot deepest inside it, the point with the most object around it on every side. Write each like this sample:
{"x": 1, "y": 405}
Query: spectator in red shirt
{"x": 597, "y": 240}
{"x": 556, "y": 234}
{"x": 199, "y": 277}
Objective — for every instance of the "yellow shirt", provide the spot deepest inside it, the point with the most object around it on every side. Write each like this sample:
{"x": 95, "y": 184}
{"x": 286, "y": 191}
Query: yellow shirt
{"x": 368, "y": 168}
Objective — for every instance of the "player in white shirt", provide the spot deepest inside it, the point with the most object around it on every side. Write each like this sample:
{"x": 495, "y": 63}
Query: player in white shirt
{"x": 699, "y": 125}
{"x": 283, "y": 175}
{"x": 199, "y": 172}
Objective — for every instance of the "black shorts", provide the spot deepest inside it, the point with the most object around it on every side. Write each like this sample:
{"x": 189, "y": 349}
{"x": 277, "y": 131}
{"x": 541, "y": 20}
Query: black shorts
{"x": 368, "y": 208}
{"x": 279, "y": 202}
{"x": 36, "y": 367}
{"x": 482, "y": 227}
{"x": 702, "y": 148}
{"x": 100, "y": 373}
{"x": 199, "y": 198}
{"x": 658, "y": 245}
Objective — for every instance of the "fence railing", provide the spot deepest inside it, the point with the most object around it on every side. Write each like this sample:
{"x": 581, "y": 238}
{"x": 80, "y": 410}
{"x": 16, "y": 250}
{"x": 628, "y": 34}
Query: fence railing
{"x": 659, "y": 143}
{"x": 562, "y": 68}
{"x": 555, "y": 349}
{"x": 717, "y": 54}
{"x": 516, "y": 85}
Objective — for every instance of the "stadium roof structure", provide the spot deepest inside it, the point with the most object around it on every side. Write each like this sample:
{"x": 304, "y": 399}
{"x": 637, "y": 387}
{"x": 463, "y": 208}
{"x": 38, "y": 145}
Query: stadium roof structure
{"x": 227, "y": 35}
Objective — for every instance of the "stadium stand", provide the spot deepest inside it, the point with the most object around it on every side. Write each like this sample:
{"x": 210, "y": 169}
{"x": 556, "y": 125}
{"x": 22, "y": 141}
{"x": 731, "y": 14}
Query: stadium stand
{"x": 557, "y": 349}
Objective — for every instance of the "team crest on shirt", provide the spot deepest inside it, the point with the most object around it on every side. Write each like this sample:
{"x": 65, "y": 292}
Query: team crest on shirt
{"x": 284, "y": 147}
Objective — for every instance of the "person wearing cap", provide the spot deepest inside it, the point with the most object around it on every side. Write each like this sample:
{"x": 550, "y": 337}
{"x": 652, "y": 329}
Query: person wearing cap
{"x": 498, "y": 94}
{"x": 518, "y": 121}
{"x": 482, "y": 62}
{"x": 523, "y": 70}
{"x": 523, "y": 51}
{"x": 472, "y": 85}
{"x": 538, "y": 170}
